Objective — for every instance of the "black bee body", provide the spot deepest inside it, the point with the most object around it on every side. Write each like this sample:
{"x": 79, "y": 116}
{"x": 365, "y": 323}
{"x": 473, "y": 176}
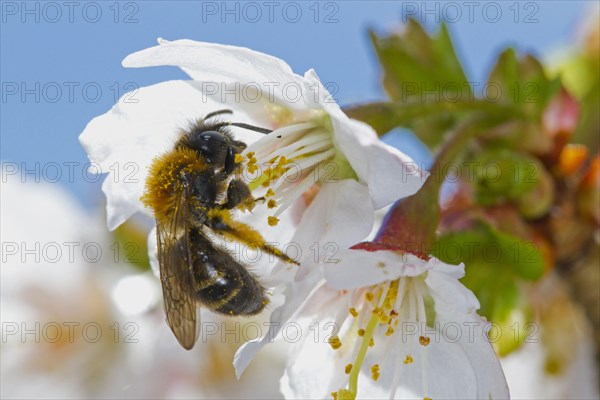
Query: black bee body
{"x": 223, "y": 284}
{"x": 192, "y": 190}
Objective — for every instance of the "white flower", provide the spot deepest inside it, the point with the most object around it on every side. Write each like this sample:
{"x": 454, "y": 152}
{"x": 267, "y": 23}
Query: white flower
{"x": 558, "y": 357}
{"x": 405, "y": 328}
{"x": 314, "y": 144}
{"x": 50, "y": 296}
{"x": 323, "y": 174}
{"x": 62, "y": 334}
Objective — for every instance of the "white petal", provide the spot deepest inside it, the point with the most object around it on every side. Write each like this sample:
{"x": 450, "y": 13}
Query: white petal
{"x": 455, "y": 307}
{"x": 141, "y": 126}
{"x": 216, "y": 64}
{"x": 296, "y": 296}
{"x": 314, "y": 369}
{"x": 389, "y": 173}
{"x": 153, "y": 252}
{"x": 458, "y": 363}
{"x": 455, "y": 271}
{"x": 483, "y": 360}
{"x": 450, "y": 294}
{"x": 441, "y": 370}
{"x": 360, "y": 268}
{"x": 340, "y": 216}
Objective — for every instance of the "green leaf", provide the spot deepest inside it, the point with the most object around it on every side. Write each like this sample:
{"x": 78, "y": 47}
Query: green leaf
{"x": 413, "y": 221}
{"x": 422, "y": 68}
{"x": 504, "y": 175}
{"x": 496, "y": 264}
{"x": 383, "y": 117}
{"x": 521, "y": 83}
{"x": 417, "y": 65}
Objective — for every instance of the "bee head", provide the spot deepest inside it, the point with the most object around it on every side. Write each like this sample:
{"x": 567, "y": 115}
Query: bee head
{"x": 216, "y": 148}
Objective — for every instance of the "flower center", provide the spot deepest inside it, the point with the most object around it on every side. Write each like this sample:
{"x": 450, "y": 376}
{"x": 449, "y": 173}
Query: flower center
{"x": 388, "y": 304}
{"x": 291, "y": 160}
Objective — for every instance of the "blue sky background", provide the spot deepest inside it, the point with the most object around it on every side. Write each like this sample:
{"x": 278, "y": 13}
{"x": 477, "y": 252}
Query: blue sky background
{"x": 54, "y": 46}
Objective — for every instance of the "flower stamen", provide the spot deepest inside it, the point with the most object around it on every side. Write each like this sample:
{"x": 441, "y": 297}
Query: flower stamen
{"x": 362, "y": 352}
{"x": 348, "y": 368}
{"x": 335, "y": 342}
{"x": 300, "y": 150}
{"x": 375, "y": 372}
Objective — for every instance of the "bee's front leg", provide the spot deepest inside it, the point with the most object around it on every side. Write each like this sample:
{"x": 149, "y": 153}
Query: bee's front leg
{"x": 221, "y": 222}
{"x": 238, "y": 194}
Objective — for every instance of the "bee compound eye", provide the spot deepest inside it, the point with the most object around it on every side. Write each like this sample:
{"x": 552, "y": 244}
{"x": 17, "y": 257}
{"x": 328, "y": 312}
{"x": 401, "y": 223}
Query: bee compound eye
{"x": 211, "y": 136}
{"x": 209, "y": 142}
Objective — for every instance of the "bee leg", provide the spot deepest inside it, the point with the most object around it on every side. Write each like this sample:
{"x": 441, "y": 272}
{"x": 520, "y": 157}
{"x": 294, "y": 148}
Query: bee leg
{"x": 221, "y": 222}
{"x": 239, "y": 193}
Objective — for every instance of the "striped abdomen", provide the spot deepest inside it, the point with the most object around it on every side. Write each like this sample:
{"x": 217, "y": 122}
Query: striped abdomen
{"x": 224, "y": 285}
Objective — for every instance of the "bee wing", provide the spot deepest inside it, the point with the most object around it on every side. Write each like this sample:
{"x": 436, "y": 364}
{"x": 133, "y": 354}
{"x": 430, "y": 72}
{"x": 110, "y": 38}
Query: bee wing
{"x": 176, "y": 274}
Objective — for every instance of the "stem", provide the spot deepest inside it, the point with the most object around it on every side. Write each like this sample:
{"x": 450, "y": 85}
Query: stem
{"x": 385, "y": 116}
{"x": 454, "y": 147}
{"x": 407, "y": 112}
{"x": 412, "y": 223}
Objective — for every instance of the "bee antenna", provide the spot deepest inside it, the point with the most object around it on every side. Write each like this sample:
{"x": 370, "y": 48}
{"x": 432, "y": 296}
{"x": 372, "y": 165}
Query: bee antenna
{"x": 215, "y": 113}
{"x": 245, "y": 126}
{"x": 251, "y": 127}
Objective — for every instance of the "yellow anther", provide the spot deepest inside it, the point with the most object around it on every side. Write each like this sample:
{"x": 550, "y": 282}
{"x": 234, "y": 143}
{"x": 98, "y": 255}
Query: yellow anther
{"x": 369, "y": 296}
{"x": 390, "y": 331}
{"x": 276, "y": 171}
{"x": 391, "y": 295}
{"x": 270, "y": 193}
{"x": 408, "y": 360}
{"x": 424, "y": 340}
{"x": 361, "y": 332}
{"x": 250, "y": 155}
{"x": 344, "y": 394}
{"x": 271, "y": 203}
{"x": 353, "y": 312}
{"x": 375, "y": 372}
{"x": 371, "y": 342}
{"x": 238, "y": 158}
{"x": 272, "y": 220}
{"x": 335, "y": 342}
{"x": 348, "y": 369}
{"x": 334, "y": 395}
{"x": 383, "y": 318}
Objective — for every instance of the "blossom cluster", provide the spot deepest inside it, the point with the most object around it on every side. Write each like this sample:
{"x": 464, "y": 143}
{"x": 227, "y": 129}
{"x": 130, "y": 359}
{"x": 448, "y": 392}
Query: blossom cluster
{"x": 345, "y": 174}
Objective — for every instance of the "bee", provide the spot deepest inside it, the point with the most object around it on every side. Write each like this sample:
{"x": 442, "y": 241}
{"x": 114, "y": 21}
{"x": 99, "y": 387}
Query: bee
{"x": 193, "y": 190}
